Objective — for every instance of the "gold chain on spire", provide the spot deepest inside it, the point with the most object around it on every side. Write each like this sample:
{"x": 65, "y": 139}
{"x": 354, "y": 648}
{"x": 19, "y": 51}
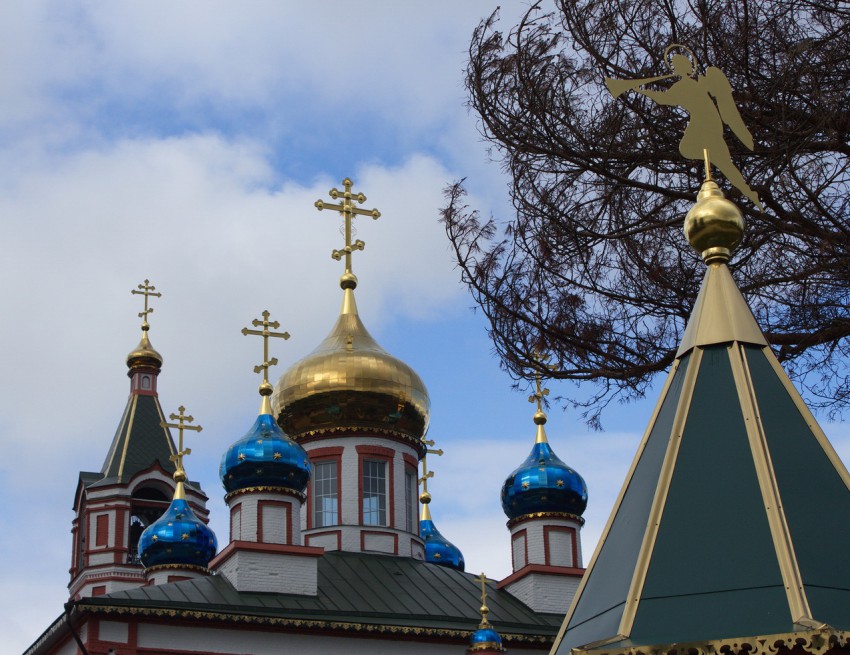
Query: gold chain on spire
{"x": 348, "y": 211}
{"x": 484, "y": 609}
{"x": 147, "y": 290}
{"x": 177, "y": 458}
{"x": 265, "y": 386}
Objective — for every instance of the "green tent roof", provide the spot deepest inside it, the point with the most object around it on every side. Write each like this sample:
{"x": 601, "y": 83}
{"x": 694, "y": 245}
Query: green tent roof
{"x": 139, "y": 441}
{"x": 734, "y": 520}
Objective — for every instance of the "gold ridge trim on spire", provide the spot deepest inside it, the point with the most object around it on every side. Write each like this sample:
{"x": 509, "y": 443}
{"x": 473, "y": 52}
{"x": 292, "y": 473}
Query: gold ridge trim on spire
{"x": 180, "y": 474}
{"x": 348, "y": 211}
{"x": 425, "y": 497}
{"x": 266, "y": 388}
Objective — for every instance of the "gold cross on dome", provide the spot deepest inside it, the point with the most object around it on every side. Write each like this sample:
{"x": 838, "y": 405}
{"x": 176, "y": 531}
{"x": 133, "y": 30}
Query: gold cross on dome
{"x": 265, "y": 333}
{"x": 425, "y": 472}
{"x": 348, "y": 211}
{"x": 484, "y": 609}
{"x": 540, "y": 391}
{"x": 182, "y": 418}
{"x": 147, "y": 290}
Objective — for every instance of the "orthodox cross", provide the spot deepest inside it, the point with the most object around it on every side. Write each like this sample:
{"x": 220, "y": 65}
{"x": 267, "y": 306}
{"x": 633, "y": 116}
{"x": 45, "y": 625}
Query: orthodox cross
{"x": 425, "y": 472}
{"x": 484, "y": 609}
{"x": 181, "y": 419}
{"x": 540, "y": 391}
{"x": 348, "y": 211}
{"x": 147, "y": 290}
{"x": 265, "y": 333}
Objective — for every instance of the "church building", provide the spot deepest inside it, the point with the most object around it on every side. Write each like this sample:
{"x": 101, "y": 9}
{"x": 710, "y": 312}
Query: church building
{"x": 332, "y": 544}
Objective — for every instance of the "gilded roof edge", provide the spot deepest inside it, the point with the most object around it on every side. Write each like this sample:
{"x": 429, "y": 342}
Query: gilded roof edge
{"x": 720, "y": 314}
{"x": 317, "y": 624}
{"x": 814, "y": 642}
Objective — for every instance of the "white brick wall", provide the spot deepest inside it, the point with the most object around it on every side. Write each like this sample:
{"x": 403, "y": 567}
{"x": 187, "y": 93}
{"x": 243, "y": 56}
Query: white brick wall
{"x": 560, "y": 542}
{"x": 113, "y": 631}
{"x": 350, "y": 529}
{"x": 271, "y": 572}
{"x": 544, "y": 592}
{"x": 244, "y": 521}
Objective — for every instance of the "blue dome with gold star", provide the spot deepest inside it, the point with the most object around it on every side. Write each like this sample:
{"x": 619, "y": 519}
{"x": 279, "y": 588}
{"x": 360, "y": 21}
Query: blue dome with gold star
{"x": 265, "y": 457}
{"x": 543, "y": 483}
{"x": 438, "y": 549}
{"x": 485, "y": 638}
{"x": 177, "y": 537}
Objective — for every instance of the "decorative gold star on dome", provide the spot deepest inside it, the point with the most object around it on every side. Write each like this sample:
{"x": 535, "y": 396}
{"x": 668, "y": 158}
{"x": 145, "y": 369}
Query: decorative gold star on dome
{"x": 560, "y": 483}
{"x": 437, "y": 556}
{"x": 277, "y": 455}
{"x": 155, "y": 538}
{"x": 241, "y": 457}
{"x": 184, "y": 536}
{"x": 525, "y": 485}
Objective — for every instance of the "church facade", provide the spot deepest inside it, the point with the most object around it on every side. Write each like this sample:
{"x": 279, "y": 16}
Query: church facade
{"x": 332, "y": 545}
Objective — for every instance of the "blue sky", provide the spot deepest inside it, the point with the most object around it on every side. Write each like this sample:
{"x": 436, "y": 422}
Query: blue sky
{"x": 186, "y": 143}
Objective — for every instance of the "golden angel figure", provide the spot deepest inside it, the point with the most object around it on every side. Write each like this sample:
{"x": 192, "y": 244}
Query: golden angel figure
{"x": 708, "y": 100}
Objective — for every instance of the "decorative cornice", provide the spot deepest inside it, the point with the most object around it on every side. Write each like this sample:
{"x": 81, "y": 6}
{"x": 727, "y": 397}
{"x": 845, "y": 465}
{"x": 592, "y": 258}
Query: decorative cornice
{"x": 360, "y": 431}
{"x": 813, "y": 642}
{"x": 266, "y": 489}
{"x": 176, "y": 567}
{"x": 305, "y": 624}
{"x": 544, "y": 515}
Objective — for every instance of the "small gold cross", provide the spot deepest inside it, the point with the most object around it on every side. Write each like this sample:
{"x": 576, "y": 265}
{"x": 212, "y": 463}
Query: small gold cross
{"x": 147, "y": 290}
{"x": 348, "y": 211}
{"x": 540, "y": 391}
{"x": 425, "y": 472}
{"x": 181, "y": 419}
{"x": 265, "y": 333}
{"x": 484, "y": 609}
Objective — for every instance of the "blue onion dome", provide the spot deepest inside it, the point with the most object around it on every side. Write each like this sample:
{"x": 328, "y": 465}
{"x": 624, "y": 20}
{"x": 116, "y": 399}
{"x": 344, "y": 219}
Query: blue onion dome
{"x": 350, "y": 382}
{"x": 265, "y": 457}
{"x": 543, "y": 483}
{"x": 178, "y": 537}
{"x": 438, "y": 549}
{"x": 485, "y": 639}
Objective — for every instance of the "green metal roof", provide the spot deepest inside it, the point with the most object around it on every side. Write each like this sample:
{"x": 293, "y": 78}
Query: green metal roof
{"x": 379, "y": 593}
{"x": 735, "y": 518}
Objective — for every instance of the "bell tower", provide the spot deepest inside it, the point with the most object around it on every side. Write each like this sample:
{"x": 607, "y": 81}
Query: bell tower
{"x": 133, "y": 488}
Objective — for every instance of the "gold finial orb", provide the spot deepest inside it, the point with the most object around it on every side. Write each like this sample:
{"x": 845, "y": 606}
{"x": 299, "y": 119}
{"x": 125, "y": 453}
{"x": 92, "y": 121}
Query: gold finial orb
{"x": 714, "y": 226}
{"x": 348, "y": 280}
{"x": 540, "y": 417}
{"x": 266, "y": 388}
{"x": 180, "y": 475}
{"x": 425, "y": 498}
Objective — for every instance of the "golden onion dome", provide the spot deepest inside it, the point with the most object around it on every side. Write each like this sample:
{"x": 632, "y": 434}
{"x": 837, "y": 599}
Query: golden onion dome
{"x": 144, "y": 354}
{"x": 350, "y": 382}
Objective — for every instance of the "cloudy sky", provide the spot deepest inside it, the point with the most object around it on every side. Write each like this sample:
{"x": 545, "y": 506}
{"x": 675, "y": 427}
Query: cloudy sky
{"x": 186, "y": 143}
